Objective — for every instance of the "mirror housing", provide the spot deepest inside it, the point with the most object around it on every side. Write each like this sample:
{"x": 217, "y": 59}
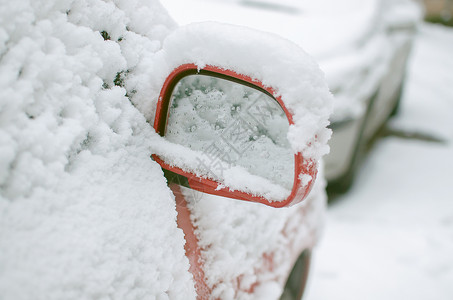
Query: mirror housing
{"x": 305, "y": 170}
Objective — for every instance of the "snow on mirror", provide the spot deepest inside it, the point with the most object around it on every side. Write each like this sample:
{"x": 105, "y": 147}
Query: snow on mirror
{"x": 232, "y": 125}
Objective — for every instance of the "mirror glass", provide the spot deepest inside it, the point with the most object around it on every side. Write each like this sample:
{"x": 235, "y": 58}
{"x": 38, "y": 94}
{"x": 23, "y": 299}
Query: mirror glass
{"x": 231, "y": 125}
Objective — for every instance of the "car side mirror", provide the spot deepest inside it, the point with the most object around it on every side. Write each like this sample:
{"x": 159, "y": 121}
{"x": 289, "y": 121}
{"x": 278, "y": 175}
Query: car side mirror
{"x": 227, "y": 135}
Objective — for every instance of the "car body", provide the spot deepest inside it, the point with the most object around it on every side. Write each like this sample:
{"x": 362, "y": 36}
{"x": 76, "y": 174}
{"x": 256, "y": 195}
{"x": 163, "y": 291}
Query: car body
{"x": 85, "y": 212}
{"x": 362, "y": 46}
{"x": 245, "y": 250}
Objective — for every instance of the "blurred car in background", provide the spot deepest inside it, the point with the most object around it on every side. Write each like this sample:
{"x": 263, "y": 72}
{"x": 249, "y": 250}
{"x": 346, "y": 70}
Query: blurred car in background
{"x": 361, "y": 45}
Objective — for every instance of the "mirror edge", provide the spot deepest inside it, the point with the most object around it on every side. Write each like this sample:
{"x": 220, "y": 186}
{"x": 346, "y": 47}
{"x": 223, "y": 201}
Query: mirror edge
{"x": 302, "y": 167}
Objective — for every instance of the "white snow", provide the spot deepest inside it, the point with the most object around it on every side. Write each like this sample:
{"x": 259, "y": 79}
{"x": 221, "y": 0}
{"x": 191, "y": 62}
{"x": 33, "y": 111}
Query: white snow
{"x": 84, "y": 212}
{"x": 391, "y": 236}
{"x": 308, "y": 23}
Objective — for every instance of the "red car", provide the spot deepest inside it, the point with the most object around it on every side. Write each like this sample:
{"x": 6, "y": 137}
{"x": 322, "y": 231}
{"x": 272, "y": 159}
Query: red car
{"x": 145, "y": 161}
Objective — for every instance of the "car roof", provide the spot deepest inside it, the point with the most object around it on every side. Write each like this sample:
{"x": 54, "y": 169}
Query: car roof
{"x": 322, "y": 28}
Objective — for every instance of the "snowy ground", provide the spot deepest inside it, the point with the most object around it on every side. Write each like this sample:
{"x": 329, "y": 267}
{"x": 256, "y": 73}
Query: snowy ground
{"x": 391, "y": 236}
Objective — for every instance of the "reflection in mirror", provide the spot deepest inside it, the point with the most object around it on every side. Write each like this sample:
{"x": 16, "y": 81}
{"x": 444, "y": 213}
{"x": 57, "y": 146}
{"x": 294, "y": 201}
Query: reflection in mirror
{"x": 232, "y": 125}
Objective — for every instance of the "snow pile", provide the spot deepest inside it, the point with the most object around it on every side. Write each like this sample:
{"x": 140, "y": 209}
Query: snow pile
{"x": 84, "y": 212}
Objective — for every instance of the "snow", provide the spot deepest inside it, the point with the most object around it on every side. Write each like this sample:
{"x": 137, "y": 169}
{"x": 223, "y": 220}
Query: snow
{"x": 391, "y": 236}
{"x": 308, "y": 23}
{"x": 430, "y": 112}
{"x": 84, "y": 212}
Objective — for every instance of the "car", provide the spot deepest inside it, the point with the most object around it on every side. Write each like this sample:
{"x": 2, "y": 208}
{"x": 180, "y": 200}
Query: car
{"x": 105, "y": 192}
{"x": 362, "y": 46}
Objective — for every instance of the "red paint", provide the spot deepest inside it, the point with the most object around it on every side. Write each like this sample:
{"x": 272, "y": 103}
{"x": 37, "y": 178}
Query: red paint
{"x": 302, "y": 166}
{"x": 193, "y": 251}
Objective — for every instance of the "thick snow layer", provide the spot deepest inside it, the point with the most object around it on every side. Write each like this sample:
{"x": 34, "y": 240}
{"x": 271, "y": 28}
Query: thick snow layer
{"x": 391, "y": 237}
{"x": 308, "y": 23}
{"x": 84, "y": 212}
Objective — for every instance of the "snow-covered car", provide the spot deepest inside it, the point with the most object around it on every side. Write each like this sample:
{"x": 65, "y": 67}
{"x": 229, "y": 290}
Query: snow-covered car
{"x": 86, "y": 211}
{"x": 362, "y": 46}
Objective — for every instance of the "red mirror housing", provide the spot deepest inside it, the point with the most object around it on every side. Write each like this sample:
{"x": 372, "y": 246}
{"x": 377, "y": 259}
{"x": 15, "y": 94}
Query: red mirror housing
{"x": 303, "y": 167}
